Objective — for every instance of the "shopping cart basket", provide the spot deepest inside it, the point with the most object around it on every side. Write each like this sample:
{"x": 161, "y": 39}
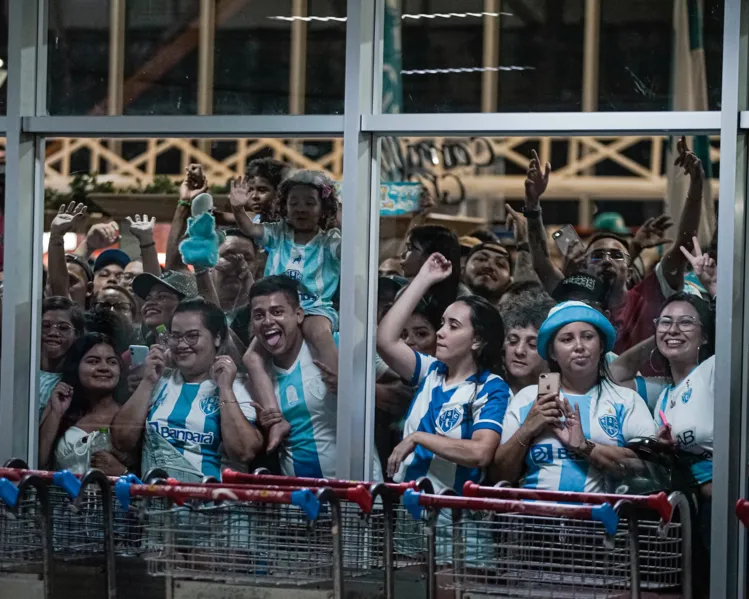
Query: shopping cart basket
{"x": 527, "y": 548}
{"x": 26, "y": 533}
{"x": 665, "y": 543}
{"x": 276, "y": 539}
{"x": 377, "y": 542}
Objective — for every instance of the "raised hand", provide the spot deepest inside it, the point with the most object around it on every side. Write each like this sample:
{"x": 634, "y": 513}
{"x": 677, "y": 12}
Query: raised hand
{"x": 142, "y": 228}
{"x": 67, "y": 217}
{"x": 194, "y": 184}
{"x": 518, "y": 223}
{"x": 536, "y": 181}
{"x": 652, "y": 233}
{"x": 102, "y": 235}
{"x": 692, "y": 166}
{"x": 437, "y": 268}
{"x": 61, "y": 398}
{"x": 155, "y": 364}
{"x": 329, "y": 376}
{"x": 239, "y": 193}
{"x": 223, "y": 371}
{"x": 571, "y": 434}
{"x": 544, "y": 412}
{"x": 704, "y": 267}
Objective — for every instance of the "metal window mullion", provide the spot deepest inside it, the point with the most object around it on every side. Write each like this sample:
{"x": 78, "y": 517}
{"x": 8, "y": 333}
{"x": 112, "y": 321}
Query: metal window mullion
{"x": 728, "y": 557}
{"x": 23, "y": 209}
{"x": 358, "y": 281}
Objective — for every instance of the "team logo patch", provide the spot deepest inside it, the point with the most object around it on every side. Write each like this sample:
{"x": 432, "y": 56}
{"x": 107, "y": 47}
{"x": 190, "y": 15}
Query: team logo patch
{"x": 610, "y": 425}
{"x": 449, "y": 419}
{"x": 209, "y": 405}
{"x": 292, "y": 397}
{"x": 686, "y": 396}
{"x": 294, "y": 275}
{"x": 542, "y": 454}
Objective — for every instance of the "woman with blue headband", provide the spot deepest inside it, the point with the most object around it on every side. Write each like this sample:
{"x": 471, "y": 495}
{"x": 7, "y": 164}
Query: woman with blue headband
{"x": 572, "y": 440}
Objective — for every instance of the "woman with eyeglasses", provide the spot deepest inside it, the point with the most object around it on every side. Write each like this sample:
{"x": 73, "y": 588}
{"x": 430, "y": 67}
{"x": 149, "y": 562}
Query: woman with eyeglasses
{"x": 196, "y": 415}
{"x": 62, "y": 324}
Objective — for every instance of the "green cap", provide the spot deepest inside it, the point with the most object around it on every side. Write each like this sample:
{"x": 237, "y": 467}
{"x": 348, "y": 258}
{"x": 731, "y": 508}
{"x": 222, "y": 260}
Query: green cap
{"x": 103, "y": 429}
{"x": 611, "y": 222}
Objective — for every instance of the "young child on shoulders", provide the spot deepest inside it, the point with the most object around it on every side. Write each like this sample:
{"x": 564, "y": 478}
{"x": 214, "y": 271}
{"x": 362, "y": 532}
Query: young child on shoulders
{"x": 304, "y": 245}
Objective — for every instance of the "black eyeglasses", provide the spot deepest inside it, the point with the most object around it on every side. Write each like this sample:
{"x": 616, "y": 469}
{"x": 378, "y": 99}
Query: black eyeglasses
{"x": 685, "y": 324}
{"x": 190, "y": 337}
{"x": 118, "y": 307}
{"x": 615, "y": 255}
{"x": 63, "y": 327}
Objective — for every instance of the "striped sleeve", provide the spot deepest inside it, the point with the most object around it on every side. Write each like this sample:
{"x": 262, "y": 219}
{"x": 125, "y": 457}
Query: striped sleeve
{"x": 423, "y": 365}
{"x": 491, "y": 406}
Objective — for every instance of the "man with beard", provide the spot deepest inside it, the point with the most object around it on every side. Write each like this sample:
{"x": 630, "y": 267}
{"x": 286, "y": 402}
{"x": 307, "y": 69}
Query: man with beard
{"x": 303, "y": 397}
{"x": 608, "y": 257}
{"x": 487, "y": 271}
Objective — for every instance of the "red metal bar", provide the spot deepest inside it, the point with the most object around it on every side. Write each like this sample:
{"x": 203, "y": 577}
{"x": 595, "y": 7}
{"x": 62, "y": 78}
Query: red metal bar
{"x": 742, "y": 511}
{"x": 238, "y": 478}
{"x": 16, "y": 474}
{"x": 179, "y": 493}
{"x": 658, "y": 502}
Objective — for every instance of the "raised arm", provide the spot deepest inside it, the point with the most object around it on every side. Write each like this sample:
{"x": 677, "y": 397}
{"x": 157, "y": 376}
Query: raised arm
{"x": 67, "y": 217}
{"x": 59, "y": 402}
{"x": 624, "y": 369}
{"x": 142, "y": 230}
{"x": 674, "y": 262}
{"x": 390, "y": 346}
{"x": 194, "y": 184}
{"x": 535, "y": 186}
{"x": 523, "y": 268}
{"x": 239, "y": 199}
{"x": 99, "y": 236}
{"x": 130, "y": 421}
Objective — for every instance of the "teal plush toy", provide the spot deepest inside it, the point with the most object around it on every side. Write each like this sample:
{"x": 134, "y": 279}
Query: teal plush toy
{"x": 200, "y": 248}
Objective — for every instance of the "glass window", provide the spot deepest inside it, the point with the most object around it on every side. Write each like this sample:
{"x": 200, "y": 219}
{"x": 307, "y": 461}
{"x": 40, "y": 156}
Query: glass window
{"x": 547, "y": 55}
{"x": 145, "y": 57}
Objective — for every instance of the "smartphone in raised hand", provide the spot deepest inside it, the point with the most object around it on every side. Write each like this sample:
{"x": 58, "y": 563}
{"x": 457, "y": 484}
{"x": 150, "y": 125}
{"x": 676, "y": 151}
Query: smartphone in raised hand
{"x": 565, "y": 239}
{"x": 549, "y": 382}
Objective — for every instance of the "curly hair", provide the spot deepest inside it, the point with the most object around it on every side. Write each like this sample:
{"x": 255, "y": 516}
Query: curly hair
{"x": 273, "y": 171}
{"x": 326, "y": 189}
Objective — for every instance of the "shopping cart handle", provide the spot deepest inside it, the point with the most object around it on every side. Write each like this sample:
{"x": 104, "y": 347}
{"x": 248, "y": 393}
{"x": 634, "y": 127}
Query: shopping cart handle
{"x": 68, "y": 482}
{"x": 411, "y": 503}
{"x": 8, "y": 492}
{"x": 306, "y": 500}
{"x": 606, "y": 515}
{"x": 122, "y": 490}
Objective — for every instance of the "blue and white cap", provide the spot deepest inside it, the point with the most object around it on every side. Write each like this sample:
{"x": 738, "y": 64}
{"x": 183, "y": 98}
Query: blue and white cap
{"x": 573, "y": 311}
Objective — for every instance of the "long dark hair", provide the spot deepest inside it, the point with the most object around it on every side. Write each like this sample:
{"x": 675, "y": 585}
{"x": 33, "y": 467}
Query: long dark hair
{"x": 80, "y": 404}
{"x": 707, "y": 322}
{"x": 436, "y": 238}
{"x": 488, "y": 328}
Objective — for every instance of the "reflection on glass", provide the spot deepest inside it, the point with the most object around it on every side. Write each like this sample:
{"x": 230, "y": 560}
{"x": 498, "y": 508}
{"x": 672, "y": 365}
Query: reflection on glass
{"x": 530, "y": 224}
{"x": 192, "y": 57}
{"x": 543, "y": 55}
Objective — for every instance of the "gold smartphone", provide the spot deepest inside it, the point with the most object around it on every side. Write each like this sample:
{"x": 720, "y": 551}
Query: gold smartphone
{"x": 549, "y": 382}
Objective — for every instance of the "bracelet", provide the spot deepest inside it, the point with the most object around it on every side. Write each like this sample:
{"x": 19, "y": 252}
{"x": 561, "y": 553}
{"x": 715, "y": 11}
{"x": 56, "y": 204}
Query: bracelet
{"x": 201, "y": 271}
{"x": 532, "y": 213}
{"x": 520, "y": 442}
{"x": 57, "y": 243}
{"x": 148, "y": 245}
{"x": 226, "y": 401}
{"x": 523, "y": 246}
{"x": 184, "y": 203}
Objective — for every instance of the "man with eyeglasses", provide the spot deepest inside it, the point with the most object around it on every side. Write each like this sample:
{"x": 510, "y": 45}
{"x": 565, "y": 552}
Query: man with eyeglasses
{"x": 607, "y": 255}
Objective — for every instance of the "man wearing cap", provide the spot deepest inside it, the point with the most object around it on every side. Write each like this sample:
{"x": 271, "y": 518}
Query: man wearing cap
{"x": 583, "y": 288}
{"x": 109, "y": 268}
{"x": 487, "y": 271}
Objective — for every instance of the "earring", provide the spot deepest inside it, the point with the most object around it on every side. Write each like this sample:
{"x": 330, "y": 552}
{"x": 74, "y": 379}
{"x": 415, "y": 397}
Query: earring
{"x": 652, "y": 351}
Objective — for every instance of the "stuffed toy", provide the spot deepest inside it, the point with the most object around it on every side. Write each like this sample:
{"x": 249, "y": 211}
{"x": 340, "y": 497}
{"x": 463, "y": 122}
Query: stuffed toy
{"x": 200, "y": 247}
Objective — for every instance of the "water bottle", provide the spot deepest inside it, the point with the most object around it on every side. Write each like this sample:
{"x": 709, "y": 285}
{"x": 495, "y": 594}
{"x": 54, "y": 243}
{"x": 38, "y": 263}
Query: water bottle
{"x": 102, "y": 441}
{"x": 161, "y": 336}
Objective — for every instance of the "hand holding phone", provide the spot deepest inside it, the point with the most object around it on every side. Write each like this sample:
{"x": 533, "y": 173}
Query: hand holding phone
{"x": 565, "y": 239}
{"x": 551, "y": 383}
{"x": 138, "y": 355}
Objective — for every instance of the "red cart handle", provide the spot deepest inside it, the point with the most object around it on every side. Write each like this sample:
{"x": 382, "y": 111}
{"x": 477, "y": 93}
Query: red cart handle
{"x": 658, "y": 502}
{"x": 238, "y": 478}
{"x": 604, "y": 513}
{"x": 742, "y": 511}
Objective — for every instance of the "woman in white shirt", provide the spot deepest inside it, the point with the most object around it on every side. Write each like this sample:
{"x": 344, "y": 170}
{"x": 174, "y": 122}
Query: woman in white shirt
{"x": 572, "y": 441}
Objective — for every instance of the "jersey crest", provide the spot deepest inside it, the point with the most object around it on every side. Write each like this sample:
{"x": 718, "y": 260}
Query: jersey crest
{"x": 209, "y": 405}
{"x": 610, "y": 425}
{"x": 686, "y": 395}
{"x": 449, "y": 419}
{"x": 542, "y": 454}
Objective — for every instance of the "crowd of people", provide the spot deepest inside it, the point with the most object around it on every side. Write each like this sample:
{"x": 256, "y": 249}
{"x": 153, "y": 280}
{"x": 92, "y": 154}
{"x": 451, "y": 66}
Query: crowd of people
{"x": 495, "y": 360}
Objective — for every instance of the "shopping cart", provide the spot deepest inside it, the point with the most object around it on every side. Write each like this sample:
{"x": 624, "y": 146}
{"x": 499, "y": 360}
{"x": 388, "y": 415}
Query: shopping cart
{"x": 665, "y": 542}
{"x": 25, "y": 536}
{"x": 536, "y": 549}
{"x": 286, "y": 541}
{"x": 378, "y": 542}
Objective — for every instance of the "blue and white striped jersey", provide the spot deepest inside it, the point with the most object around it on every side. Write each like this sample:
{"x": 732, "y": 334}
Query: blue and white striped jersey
{"x": 315, "y": 265}
{"x": 689, "y": 411}
{"x": 455, "y": 411}
{"x": 188, "y": 416}
{"x": 613, "y": 418}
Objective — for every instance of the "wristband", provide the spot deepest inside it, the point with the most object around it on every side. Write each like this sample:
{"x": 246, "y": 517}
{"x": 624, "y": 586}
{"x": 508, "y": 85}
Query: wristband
{"x": 148, "y": 245}
{"x": 586, "y": 450}
{"x": 523, "y": 246}
{"x": 201, "y": 271}
{"x": 184, "y": 203}
{"x": 532, "y": 213}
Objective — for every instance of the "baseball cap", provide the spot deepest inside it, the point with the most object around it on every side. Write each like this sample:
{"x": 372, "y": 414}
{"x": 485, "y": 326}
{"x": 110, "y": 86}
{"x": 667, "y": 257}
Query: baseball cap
{"x": 493, "y": 246}
{"x": 581, "y": 287}
{"x": 612, "y": 222}
{"x": 182, "y": 283}
{"x": 112, "y": 256}
{"x": 83, "y": 264}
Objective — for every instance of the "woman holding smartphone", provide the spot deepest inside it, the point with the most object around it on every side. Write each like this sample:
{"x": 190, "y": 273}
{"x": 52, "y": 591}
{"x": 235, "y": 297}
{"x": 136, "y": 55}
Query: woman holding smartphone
{"x": 570, "y": 432}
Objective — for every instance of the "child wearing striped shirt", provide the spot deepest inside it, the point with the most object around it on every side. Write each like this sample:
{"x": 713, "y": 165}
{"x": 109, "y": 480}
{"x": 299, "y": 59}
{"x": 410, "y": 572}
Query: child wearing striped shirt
{"x": 305, "y": 245}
